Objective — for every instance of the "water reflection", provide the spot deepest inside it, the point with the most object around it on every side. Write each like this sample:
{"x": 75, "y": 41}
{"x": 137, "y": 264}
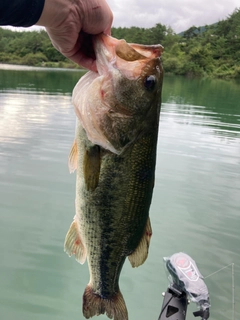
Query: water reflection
{"x": 199, "y": 115}
{"x": 195, "y": 205}
{"x": 43, "y": 81}
{"x": 216, "y": 102}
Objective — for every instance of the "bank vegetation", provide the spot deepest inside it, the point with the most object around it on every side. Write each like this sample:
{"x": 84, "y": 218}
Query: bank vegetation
{"x": 212, "y": 50}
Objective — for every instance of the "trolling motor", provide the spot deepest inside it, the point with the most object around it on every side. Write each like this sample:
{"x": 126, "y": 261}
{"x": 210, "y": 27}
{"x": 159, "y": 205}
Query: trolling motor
{"x": 186, "y": 282}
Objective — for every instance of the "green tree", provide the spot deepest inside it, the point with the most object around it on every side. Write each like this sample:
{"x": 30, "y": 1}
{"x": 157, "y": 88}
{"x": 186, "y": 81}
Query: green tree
{"x": 212, "y": 50}
{"x": 191, "y": 32}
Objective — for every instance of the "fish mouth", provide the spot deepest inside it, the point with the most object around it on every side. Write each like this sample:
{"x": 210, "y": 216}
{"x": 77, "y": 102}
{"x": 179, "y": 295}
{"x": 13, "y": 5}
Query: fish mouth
{"x": 118, "y": 54}
{"x": 127, "y": 51}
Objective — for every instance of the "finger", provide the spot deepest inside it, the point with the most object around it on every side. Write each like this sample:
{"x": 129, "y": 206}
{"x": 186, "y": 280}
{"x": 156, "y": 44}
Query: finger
{"x": 85, "y": 62}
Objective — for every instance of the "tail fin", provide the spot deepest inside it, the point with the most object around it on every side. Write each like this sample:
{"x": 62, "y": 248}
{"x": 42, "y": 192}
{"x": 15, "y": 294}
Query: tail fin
{"x": 94, "y": 304}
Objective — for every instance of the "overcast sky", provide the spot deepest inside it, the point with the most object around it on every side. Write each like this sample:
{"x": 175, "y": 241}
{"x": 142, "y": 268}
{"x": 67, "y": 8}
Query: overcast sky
{"x": 178, "y": 14}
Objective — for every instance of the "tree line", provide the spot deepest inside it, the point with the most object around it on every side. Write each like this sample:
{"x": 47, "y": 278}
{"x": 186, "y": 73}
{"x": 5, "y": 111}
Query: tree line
{"x": 212, "y": 50}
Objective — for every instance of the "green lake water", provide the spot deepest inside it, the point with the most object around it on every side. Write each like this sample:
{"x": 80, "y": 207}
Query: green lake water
{"x": 195, "y": 207}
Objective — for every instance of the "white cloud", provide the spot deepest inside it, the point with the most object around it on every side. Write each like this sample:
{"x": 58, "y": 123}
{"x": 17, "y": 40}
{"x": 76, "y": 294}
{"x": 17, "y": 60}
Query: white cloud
{"x": 180, "y": 15}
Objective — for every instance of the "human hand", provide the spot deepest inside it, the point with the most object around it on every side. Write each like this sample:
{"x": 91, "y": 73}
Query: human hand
{"x": 70, "y": 24}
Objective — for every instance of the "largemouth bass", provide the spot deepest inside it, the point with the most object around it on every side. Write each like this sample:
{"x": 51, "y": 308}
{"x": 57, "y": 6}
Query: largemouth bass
{"x": 115, "y": 154}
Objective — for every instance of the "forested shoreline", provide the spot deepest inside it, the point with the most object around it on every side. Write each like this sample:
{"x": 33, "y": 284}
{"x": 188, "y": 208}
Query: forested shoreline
{"x": 213, "y": 50}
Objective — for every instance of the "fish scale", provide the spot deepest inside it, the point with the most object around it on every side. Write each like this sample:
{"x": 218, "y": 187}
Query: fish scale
{"x": 114, "y": 155}
{"x": 105, "y": 214}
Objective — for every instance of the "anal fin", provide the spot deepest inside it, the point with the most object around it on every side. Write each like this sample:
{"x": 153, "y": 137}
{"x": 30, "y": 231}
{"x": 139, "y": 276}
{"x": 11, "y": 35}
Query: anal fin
{"x": 73, "y": 243}
{"x": 140, "y": 254}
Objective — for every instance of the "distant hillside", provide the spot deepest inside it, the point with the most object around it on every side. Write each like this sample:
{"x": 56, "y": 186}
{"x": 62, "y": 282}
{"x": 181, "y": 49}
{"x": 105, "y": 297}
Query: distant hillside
{"x": 212, "y": 50}
{"x": 198, "y": 30}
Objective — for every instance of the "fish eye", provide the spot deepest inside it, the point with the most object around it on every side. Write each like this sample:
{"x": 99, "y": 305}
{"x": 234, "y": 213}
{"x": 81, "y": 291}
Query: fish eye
{"x": 150, "y": 82}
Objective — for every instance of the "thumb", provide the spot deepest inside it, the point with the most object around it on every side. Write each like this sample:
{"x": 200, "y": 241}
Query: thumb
{"x": 97, "y": 17}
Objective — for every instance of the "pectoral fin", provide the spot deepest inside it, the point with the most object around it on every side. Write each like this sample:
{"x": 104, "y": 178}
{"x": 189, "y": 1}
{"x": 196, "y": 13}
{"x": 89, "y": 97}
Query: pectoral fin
{"x": 73, "y": 243}
{"x": 91, "y": 167}
{"x": 73, "y": 157}
{"x": 139, "y": 256}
